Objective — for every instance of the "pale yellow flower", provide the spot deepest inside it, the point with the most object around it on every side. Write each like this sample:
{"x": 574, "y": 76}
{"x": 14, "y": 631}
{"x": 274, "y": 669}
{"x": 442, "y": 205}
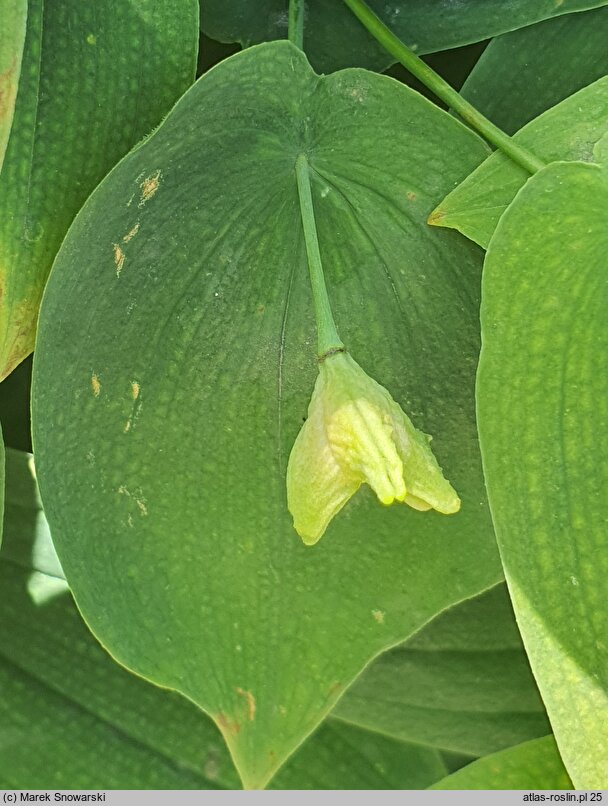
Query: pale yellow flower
{"x": 356, "y": 433}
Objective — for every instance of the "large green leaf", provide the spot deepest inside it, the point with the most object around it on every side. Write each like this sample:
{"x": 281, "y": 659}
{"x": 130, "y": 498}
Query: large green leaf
{"x": 463, "y": 683}
{"x": 531, "y": 765}
{"x": 542, "y": 403}
{"x": 96, "y": 78}
{"x": 568, "y": 131}
{"x": 13, "y": 17}
{"x": 521, "y": 74}
{"x": 60, "y": 690}
{"x": 334, "y": 38}
{"x": 172, "y": 376}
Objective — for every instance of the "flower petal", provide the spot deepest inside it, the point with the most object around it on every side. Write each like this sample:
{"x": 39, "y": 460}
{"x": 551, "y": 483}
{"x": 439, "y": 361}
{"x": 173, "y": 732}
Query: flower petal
{"x": 317, "y": 486}
{"x": 423, "y": 477}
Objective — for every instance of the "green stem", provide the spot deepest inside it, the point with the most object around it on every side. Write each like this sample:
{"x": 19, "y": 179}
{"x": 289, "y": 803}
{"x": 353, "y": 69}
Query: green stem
{"x": 295, "y": 29}
{"x": 441, "y": 88}
{"x": 328, "y": 339}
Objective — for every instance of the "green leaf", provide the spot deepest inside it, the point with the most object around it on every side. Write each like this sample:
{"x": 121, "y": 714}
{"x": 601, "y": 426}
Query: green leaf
{"x": 531, "y": 765}
{"x": 60, "y": 690}
{"x": 542, "y": 414}
{"x": 96, "y": 78}
{"x": 340, "y": 756}
{"x": 333, "y": 37}
{"x": 521, "y": 74}
{"x": 568, "y": 131}
{"x": 12, "y": 37}
{"x": 463, "y": 683}
{"x": 162, "y": 434}
{"x": 2, "y": 460}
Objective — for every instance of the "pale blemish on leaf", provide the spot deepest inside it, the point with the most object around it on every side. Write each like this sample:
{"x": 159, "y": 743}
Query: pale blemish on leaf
{"x": 136, "y": 497}
{"x": 378, "y": 616}
{"x": 119, "y": 258}
{"x": 211, "y": 766}
{"x": 251, "y": 704}
{"x": 358, "y": 94}
{"x": 149, "y": 186}
{"x": 95, "y": 385}
{"x": 228, "y": 726}
{"x": 135, "y": 393}
{"x": 131, "y": 234}
{"x": 91, "y": 39}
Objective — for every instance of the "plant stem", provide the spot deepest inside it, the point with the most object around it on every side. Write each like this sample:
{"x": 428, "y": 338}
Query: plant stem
{"x": 327, "y": 334}
{"x": 295, "y": 29}
{"x": 441, "y": 88}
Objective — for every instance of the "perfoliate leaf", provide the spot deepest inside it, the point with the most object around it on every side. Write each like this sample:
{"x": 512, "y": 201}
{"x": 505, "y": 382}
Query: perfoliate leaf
{"x": 180, "y": 306}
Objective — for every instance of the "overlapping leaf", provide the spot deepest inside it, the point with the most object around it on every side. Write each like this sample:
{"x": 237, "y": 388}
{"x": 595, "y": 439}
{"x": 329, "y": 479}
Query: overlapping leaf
{"x": 2, "y": 459}
{"x": 180, "y": 308}
{"x": 542, "y": 405}
{"x": 568, "y": 131}
{"x": 463, "y": 683}
{"x": 12, "y": 36}
{"x": 96, "y": 78}
{"x": 521, "y": 74}
{"x": 531, "y": 765}
{"x": 61, "y": 691}
{"x": 333, "y": 37}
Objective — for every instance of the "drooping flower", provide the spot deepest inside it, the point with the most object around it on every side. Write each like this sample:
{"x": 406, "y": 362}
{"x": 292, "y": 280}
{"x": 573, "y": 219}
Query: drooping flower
{"x": 356, "y": 433}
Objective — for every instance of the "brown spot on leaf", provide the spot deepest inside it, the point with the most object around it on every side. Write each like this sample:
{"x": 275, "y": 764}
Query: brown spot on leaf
{"x": 436, "y": 217}
{"x": 228, "y": 726}
{"x": 411, "y": 196}
{"x": 251, "y": 704}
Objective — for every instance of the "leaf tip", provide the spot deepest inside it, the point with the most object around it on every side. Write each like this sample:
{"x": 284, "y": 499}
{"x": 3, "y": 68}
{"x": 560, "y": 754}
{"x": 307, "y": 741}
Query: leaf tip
{"x": 436, "y": 217}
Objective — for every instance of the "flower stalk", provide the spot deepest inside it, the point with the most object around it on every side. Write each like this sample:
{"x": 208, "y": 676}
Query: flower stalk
{"x": 328, "y": 340}
{"x": 442, "y": 89}
{"x": 355, "y": 432}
